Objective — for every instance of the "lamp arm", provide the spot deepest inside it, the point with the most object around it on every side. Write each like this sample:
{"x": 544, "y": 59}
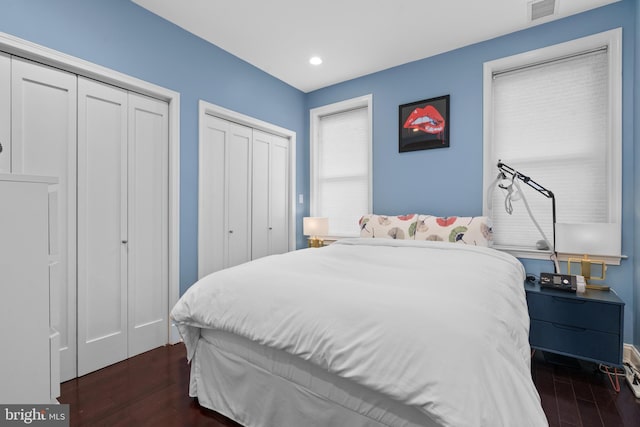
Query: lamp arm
{"x": 505, "y": 169}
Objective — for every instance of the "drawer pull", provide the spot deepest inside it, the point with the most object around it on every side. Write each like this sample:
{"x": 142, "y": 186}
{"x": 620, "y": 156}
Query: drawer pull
{"x": 569, "y": 301}
{"x": 569, "y": 328}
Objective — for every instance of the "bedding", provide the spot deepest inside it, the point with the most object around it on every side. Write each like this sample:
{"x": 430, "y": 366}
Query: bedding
{"x": 440, "y": 327}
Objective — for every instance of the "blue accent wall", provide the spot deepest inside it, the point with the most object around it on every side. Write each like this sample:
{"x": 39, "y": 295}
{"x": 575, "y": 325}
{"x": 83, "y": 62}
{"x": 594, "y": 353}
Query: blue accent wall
{"x": 124, "y": 37}
{"x": 120, "y": 35}
{"x": 636, "y": 170}
{"x": 449, "y": 181}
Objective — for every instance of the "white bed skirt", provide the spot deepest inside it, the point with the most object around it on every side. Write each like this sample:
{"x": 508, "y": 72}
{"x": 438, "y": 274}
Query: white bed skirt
{"x": 258, "y": 386}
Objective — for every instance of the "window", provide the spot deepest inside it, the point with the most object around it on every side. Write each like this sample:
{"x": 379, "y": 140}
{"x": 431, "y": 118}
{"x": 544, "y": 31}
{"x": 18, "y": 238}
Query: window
{"x": 555, "y": 115}
{"x": 341, "y": 164}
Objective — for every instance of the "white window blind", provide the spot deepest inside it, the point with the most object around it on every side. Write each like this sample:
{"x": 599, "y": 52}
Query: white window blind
{"x": 551, "y": 120}
{"x": 341, "y": 169}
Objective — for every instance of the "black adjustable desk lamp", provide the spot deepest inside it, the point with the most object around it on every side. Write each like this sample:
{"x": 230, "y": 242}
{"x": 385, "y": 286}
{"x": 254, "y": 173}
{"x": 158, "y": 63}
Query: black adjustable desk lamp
{"x": 505, "y": 169}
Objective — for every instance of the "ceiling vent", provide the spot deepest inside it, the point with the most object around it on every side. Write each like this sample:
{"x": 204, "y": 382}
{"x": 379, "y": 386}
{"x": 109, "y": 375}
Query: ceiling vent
{"x": 541, "y": 9}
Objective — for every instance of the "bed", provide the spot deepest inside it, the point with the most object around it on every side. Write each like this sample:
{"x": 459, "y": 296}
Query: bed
{"x": 366, "y": 332}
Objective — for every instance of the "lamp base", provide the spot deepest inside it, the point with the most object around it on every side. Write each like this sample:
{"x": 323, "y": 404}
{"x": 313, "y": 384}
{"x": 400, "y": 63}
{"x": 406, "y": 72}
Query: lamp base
{"x": 598, "y": 287}
{"x": 315, "y": 242}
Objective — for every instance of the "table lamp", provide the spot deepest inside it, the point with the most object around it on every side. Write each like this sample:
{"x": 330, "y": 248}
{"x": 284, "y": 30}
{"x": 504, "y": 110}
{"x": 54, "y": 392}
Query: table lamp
{"x": 314, "y": 227}
{"x": 588, "y": 239}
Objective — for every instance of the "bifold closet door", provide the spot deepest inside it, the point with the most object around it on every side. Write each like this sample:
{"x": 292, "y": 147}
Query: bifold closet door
{"x": 279, "y": 195}
{"x": 148, "y": 223}
{"x": 122, "y": 225}
{"x": 270, "y": 195}
{"x": 260, "y": 189}
{"x": 238, "y": 194}
{"x": 102, "y": 225}
{"x": 43, "y": 142}
{"x": 224, "y": 211}
{"x": 121, "y": 195}
{"x": 212, "y": 240}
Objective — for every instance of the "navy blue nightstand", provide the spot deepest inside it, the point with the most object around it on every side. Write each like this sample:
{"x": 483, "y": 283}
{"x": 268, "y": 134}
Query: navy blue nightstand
{"x": 585, "y": 326}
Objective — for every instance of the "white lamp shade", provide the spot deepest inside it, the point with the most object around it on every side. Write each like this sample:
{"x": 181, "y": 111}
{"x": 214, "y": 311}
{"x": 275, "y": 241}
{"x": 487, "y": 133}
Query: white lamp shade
{"x": 315, "y": 226}
{"x": 589, "y": 239}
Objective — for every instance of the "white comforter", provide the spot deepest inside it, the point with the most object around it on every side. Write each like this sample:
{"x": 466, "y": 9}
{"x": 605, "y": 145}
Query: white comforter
{"x": 437, "y": 325}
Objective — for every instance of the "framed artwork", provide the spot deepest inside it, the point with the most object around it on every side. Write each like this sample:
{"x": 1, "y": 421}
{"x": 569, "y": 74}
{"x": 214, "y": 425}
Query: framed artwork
{"x": 424, "y": 124}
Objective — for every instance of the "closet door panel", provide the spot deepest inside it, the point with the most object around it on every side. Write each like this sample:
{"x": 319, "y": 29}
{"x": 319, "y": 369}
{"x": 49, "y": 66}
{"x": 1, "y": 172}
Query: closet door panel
{"x": 238, "y": 195}
{"x": 43, "y": 141}
{"x": 148, "y": 223}
{"x": 260, "y": 226}
{"x": 279, "y": 195}
{"x": 212, "y": 235}
{"x": 102, "y": 225}
{"x": 5, "y": 113}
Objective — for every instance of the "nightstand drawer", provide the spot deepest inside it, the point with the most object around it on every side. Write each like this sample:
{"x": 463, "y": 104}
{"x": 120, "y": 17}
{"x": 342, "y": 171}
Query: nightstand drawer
{"x": 579, "y": 342}
{"x": 581, "y": 313}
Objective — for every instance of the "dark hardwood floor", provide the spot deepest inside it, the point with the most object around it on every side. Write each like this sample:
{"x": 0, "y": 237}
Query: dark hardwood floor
{"x": 147, "y": 390}
{"x": 577, "y": 394}
{"x": 151, "y": 390}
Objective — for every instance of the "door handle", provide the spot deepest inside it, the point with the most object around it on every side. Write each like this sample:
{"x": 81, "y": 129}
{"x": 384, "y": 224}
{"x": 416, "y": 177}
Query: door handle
{"x": 124, "y": 242}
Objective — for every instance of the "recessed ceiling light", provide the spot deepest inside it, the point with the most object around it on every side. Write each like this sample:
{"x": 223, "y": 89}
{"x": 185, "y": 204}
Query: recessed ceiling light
{"x": 315, "y": 60}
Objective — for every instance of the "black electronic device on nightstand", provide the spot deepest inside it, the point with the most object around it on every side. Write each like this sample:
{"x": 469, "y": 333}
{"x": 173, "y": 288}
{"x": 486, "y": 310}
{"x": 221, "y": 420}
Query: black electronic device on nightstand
{"x": 561, "y": 282}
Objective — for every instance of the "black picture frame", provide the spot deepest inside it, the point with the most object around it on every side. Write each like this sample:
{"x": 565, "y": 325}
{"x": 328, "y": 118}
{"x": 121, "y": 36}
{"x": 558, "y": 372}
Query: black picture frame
{"x": 424, "y": 125}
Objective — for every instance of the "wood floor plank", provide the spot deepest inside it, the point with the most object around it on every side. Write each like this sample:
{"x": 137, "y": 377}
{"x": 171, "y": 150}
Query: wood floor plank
{"x": 628, "y": 406}
{"x": 567, "y": 404}
{"x": 589, "y": 414}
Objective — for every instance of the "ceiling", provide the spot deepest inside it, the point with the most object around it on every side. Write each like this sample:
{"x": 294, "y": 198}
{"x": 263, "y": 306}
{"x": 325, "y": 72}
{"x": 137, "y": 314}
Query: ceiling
{"x": 353, "y": 37}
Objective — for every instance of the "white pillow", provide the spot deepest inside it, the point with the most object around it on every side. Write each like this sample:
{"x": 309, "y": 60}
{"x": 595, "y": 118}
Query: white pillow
{"x": 388, "y": 227}
{"x": 476, "y": 230}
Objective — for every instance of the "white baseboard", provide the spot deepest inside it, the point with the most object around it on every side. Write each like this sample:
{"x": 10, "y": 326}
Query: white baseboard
{"x": 174, "y": 335}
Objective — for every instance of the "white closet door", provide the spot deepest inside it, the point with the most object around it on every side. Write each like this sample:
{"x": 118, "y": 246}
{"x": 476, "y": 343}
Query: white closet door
{"x": 102, "y": 225}
{"x": 260, "y": 193}
{"x": 212, "y": 235}
{"x": 43, "y": 141}
{"x": 148, "y": 276}
{"x": 238, "y": 196}
{"x": 5, "y": 113}
{"x": 243, "y": 210}
{"x": 270, "y": 194}
{"x": 279, "y": 195}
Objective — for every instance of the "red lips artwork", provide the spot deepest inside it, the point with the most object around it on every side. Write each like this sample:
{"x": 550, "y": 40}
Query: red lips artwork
{"x": 426, "y": 119}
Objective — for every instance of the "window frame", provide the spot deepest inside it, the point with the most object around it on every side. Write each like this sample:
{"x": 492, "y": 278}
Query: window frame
{"x": 613, "y": 40}
{"x": 315, "y": 115}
